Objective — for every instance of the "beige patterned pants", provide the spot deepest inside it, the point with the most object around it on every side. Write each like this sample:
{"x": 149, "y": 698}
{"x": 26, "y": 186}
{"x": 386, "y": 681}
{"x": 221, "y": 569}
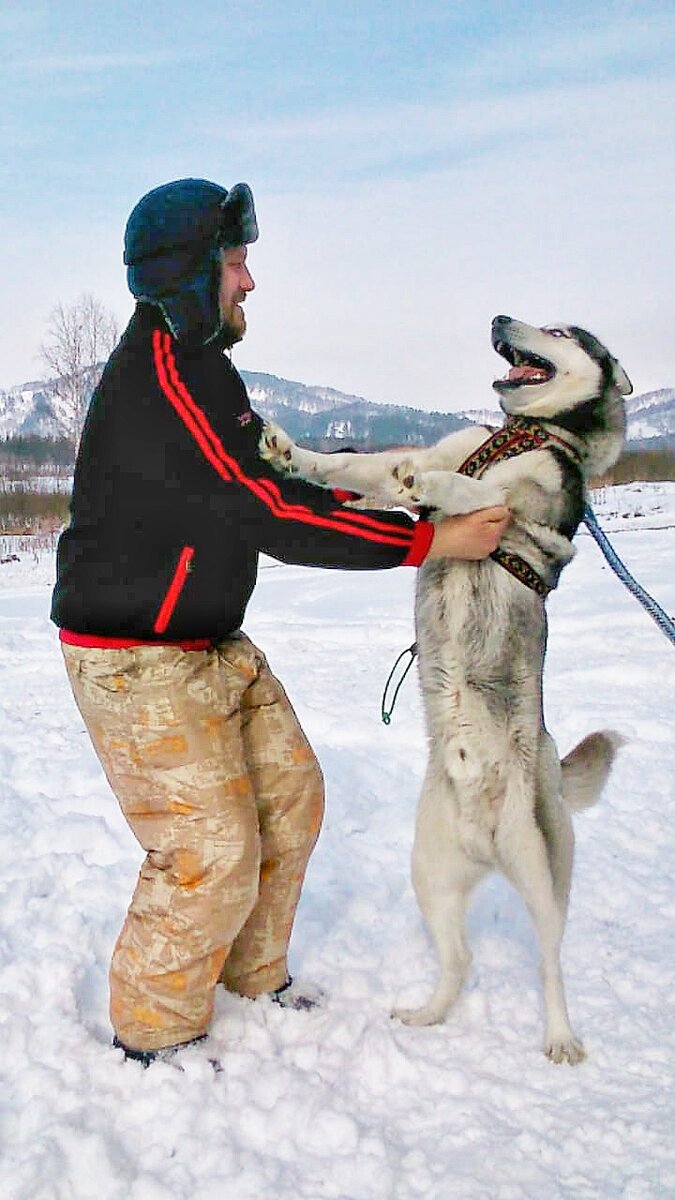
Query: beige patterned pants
{"x": 220, "y": 786}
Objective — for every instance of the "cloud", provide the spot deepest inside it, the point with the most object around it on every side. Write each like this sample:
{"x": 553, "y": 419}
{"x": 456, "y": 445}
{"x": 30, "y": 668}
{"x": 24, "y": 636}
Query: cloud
{"x": 542, "y": 50}
{"x": 560, "y": 81}
{"x": 20, "y": 20}
{"x": 615, "y": 119}
{"x": 388, "y": 242}
{"x": 388, "y": 282}
{"x": 91, "y": 63}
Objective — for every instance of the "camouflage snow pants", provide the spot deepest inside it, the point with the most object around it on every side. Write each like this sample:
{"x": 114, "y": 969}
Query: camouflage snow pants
{"x": 220, "y": 786}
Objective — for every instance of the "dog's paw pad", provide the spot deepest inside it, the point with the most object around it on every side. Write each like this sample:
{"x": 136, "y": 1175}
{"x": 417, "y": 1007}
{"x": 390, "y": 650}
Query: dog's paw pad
{"x": 408, "y": 486}
{"x": 276, "y": 447}
{"x": 565, "y": 1050}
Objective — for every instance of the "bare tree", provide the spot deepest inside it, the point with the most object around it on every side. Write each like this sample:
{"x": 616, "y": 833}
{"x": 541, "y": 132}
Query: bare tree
{"x": 80, "y": 339}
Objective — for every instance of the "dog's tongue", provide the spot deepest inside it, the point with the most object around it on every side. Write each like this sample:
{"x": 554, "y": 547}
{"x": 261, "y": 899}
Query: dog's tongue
{"x": 524, "y": 372}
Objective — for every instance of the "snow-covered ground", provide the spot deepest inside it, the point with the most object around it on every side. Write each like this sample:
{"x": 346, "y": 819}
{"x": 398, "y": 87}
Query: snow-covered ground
{"x": 345, "y": 1103}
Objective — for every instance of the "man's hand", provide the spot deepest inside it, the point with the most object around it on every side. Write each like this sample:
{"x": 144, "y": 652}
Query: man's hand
{"x": 471, "y": 536}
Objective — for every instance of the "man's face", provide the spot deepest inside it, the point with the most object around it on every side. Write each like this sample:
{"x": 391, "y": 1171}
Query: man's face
{"x": 235, "y": 282}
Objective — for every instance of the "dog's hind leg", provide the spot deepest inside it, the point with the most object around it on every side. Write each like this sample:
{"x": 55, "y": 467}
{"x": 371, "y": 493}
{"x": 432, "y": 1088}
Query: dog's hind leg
{"x": 554, "y": 821}
{"x": 524, "y": 858}
{"x": 443, "y": 878}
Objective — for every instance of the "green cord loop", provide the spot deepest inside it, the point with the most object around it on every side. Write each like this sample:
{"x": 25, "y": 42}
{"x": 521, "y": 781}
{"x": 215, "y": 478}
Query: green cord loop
{"x": 386, "y": 713}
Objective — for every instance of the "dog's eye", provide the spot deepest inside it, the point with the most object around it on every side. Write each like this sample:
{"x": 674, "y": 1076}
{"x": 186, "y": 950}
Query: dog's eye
{"x": 558, "y": 332}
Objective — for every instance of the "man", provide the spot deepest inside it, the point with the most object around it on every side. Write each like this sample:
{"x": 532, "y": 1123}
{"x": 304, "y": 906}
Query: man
{"x": 171, "y": 507}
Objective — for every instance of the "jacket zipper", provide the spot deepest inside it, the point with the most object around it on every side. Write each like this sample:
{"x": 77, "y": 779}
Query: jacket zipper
{"x": 174, "y": 589}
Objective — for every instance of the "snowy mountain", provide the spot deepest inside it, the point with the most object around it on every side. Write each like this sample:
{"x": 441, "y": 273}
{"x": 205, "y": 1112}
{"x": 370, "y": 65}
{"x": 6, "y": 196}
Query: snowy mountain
{"x": 29, "y": 409}
{"x": 315, "y": 414}
{"x": 273, "y": 396}
{"x": 652, "y": 417}
{"x": 320, "y": 414}
{"x": 323, "y": 414}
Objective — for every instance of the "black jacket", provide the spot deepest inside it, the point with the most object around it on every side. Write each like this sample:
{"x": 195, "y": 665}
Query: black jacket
{"x": 171, "y": 503}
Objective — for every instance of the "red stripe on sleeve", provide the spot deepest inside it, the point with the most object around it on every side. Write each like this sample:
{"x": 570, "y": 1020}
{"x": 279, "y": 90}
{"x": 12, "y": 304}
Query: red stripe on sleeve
{"x": 356, "y": 524}
{"x": 352, "y": 517}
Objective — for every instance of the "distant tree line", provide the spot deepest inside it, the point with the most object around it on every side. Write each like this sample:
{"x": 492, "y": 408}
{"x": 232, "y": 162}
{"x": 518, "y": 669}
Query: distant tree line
{"x": 28, "y": 451}
{"x": 26, "y": 508}
{"x": 23, "y": 453}
{"x": 27, "y": 511}
{"x": 648, "y": 466}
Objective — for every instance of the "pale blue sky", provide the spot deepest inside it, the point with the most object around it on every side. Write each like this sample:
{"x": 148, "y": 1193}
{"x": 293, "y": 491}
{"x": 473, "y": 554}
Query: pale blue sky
{"x": 416, "y": 167}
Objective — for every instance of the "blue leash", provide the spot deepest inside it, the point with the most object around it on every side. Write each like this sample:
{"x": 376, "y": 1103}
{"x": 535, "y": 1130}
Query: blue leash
{"x": 664, "y": 622}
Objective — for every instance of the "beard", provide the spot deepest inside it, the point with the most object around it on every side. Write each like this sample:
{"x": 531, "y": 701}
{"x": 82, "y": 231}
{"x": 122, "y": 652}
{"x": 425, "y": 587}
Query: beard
{"x": 231, "y": 334}
{"x": 233, "y": 325}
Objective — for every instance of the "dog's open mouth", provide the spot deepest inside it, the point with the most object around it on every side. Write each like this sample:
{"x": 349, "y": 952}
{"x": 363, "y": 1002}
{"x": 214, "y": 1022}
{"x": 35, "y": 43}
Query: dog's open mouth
{"x": 526, "y": 368}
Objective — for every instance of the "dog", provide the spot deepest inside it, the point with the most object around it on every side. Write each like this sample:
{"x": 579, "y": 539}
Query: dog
{"x": 496, "y": 795}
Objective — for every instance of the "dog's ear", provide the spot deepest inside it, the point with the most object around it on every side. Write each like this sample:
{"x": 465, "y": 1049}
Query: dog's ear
{"x": 620, "y": 377}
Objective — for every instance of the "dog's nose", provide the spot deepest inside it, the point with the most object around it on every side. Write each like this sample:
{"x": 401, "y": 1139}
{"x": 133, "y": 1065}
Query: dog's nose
{"x": 501, "y": 320}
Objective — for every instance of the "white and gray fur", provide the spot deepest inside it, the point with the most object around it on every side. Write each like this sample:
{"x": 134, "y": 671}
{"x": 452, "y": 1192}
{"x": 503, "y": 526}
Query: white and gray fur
{"x": 495, "y": 794}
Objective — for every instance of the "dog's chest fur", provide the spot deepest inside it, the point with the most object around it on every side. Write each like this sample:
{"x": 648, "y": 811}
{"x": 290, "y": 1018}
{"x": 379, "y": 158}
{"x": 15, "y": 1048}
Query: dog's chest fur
{"x": 481, "y": 638}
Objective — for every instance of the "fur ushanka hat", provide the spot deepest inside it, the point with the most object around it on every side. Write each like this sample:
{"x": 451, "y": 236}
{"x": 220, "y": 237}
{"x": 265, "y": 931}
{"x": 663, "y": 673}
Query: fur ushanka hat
{"x": 171, "y": 250}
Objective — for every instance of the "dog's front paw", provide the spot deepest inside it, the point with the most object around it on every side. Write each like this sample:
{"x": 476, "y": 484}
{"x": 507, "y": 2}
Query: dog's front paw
{"x": 407, "y": 485}
{"x": 276, "y": 447}
{"x": 565, "y": 1049}
{"x": 446, "y": 491}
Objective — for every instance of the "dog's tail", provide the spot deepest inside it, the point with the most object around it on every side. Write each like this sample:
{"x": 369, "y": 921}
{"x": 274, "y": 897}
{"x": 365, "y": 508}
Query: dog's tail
{"x": 586, "y": 768}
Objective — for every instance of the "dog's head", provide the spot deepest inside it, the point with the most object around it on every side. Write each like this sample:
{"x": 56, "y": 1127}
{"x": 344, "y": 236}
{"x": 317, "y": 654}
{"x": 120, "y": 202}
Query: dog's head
{"x": 554, "y": 370}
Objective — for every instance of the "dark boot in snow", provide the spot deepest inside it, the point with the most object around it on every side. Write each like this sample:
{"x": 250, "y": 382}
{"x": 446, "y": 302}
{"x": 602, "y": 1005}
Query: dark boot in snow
{"x": 165, "y": 1054}
{"x": 291, "y": 995}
